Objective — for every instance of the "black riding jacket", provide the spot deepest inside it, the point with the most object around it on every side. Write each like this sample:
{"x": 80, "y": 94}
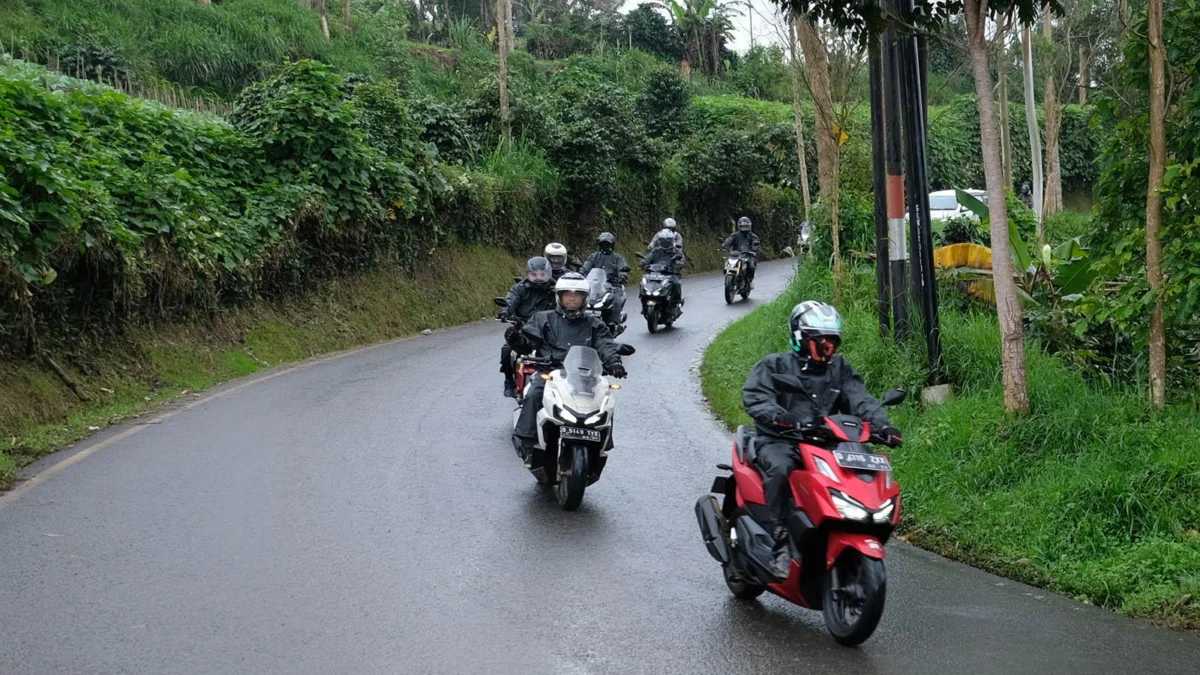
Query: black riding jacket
{"x": 612, "y": 263}
{"x": 834, "y": 389}
{"x": 526, "y": 299}
{"x": 670, "y": 257}
{"x": 743, "y": 241}
{"x": 553, "y": 334}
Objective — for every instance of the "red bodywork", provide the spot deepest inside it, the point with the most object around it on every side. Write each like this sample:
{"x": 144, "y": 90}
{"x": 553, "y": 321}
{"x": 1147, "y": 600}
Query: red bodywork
{"x": 810, "y": 490}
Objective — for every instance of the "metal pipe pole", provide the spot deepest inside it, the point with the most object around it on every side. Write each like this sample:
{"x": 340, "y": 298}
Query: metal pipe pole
{"x": 897, "y": 238}
{"x": 879, "y": 185}
{"x": 923, "y": 276}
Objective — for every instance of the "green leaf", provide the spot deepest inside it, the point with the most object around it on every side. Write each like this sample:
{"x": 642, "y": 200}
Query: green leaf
{"x": 1076, "y": 277}
{"x": 973, "y": 204}
{"x": 1018, "y": 250}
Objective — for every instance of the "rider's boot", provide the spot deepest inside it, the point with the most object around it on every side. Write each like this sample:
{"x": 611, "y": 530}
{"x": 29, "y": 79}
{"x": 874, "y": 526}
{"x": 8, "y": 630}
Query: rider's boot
{"x": 510, "y": 387}
{"x": 781, "y": 555}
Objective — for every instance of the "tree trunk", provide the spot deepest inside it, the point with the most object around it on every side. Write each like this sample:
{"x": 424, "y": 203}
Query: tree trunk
{"x": 1085, "y": 65}
{"x": 816, "y": 59}
{"x": 1006, "y": 148}
{"x": 205, "y": 2}
{"x": 1035, "y": 140}
{"x": 1053, "y": 198}
{"x": 1012, "y": 343}
{"x": 324, "y": 16}
{"x": 346, "y": 16}
{"x": 1154, "y": 201}
{"x": 509, "y": 31}
{"x": 502, "y": 45}
{"x": 798, "y": 117}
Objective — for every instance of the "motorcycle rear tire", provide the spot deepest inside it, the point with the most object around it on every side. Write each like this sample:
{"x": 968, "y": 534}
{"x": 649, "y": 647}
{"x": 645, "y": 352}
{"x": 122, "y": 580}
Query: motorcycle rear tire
{"x": 742, "y": 589}
{"x": 871, "y": 574}
{"x": 570, "y": 487}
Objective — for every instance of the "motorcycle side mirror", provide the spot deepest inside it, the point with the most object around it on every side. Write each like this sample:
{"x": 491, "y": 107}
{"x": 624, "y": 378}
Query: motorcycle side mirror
{"x": 626, "y": 268}
{"x": 517, "y": 279}
{"x": 639, "y": 255}
{"x": 788, "y": 383}
{"x": 894, "y": 397}
{"x": 625, "y": 350}
{"x": 500, "y": 302}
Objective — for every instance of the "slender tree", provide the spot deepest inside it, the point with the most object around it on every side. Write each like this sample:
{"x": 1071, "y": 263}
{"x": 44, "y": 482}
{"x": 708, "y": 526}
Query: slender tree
{"x": 324, "y": 17}
{"x": 795, "y": 67}
{"x": 1031, "y": 122}
{"x": 816, "y": 60}
{"x": 1154, "y": 200}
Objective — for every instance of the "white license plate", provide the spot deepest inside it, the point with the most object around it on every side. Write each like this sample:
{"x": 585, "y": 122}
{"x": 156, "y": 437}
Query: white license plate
{"x": 577, "y": 434}
{"x": 862, "y": 461}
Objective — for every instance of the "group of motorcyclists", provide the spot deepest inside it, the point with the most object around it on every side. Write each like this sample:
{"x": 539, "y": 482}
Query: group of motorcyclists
{"x": 546, "y": 310}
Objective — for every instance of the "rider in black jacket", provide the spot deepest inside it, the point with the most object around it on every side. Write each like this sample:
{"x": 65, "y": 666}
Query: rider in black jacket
{"x": 831, "y": 386}
{"x": 552, "y": 333}
{"x": 664, "y": 252}
{"x": 607, "y": 259}
{"x": 745, "y": 240}
{"x": 527, "y": 297}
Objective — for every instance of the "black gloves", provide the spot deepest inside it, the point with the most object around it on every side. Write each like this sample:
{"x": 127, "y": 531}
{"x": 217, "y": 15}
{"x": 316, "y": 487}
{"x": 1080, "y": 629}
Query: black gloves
{"x": 618, "y": 371}
{"x": 890, "y": 436}
{"x": 512, "y": 333}
{"x": 787, "y": 420}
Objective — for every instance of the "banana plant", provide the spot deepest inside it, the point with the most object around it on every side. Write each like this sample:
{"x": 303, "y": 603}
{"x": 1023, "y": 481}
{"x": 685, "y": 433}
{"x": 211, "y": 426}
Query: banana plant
{"x": 1063, "y": 273}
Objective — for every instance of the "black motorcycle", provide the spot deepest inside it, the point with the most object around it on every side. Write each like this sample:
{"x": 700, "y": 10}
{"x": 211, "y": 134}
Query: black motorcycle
{"x": 661, "y": 298}
{"x": 737, "y": 275}
{"x": 607, "y": 300}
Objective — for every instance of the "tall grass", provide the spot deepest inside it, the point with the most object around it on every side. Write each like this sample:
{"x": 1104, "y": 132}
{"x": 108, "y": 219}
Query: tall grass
{"x": 1093, "y": 494}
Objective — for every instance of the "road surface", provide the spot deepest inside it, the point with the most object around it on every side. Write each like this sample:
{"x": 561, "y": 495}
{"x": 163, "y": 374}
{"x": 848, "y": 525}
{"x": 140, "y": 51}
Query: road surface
{"x": 367, "y": 514}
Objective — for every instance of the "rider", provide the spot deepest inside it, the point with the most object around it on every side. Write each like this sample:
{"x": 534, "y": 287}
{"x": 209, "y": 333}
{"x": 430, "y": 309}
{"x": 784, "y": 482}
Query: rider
{"x": 670, "y": 224}
{"x": 832, "y": 387}
{"x": 613, "y": 264}
{"x": 552, "y": 333}
{"x": 560, "y": 262}
{"x": 527, "y": 297}
{"x": 747, "y": 241}
{"x": 664, "y": 252}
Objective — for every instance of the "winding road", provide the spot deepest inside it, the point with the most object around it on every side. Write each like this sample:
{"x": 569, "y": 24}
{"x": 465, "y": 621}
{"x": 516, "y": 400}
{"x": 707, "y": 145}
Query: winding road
{"x": 366, "y": 514}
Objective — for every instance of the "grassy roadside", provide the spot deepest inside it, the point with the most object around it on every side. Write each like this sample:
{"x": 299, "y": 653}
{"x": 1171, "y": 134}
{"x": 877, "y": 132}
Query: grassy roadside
{"x": 38, "y": 414}
{"x": 1093, "y": 495}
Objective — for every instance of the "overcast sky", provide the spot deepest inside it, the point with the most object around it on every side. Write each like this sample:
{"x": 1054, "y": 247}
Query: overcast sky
{"x": 759, "y": 16}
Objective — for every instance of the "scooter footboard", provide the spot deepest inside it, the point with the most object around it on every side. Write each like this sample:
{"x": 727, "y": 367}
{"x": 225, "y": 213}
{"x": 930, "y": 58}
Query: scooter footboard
{"x": 712, "y": 528}
{"x": 865, "y": 544}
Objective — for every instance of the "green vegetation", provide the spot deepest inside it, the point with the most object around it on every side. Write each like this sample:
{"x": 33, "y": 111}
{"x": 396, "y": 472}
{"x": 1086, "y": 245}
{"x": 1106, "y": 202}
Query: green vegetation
{"x": 38, "y": 414}
{"x": 1093, "y": 495}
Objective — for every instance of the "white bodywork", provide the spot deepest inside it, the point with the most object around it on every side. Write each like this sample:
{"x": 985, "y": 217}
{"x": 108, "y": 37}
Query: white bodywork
{"x": 564, "y": 405}
{"x": 944, "y": 204}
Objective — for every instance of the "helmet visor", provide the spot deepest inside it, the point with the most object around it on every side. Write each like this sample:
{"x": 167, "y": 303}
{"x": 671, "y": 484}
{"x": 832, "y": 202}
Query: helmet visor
{"x": 557, "y": 261}
{"x": 539, "y": 276}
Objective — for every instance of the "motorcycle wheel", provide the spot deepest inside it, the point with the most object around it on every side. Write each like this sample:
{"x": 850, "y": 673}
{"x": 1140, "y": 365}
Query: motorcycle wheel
{"x": 855, "y": 589}
{"x": 742, "y": 589}
{"x": 573, "y": 481}
{"x": 652, "y": 324}
{"x": 746, "y": 292}
{"x": 729, "y": 290}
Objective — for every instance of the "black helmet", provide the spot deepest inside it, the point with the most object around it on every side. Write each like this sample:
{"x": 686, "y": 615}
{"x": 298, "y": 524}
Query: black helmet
{"x": 815, "y": 331}
{"x": 743, "y": 224}
{"x": 538, "y": 272}
{"x": 607, "y": 241}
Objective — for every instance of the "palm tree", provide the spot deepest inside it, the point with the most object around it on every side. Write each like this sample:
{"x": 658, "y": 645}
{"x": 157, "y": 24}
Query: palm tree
{"x": 704, "y": 26}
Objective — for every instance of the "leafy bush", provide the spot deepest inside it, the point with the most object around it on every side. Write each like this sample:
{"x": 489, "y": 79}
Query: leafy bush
{"x": 649, "y": 31}
{"x": 960, "y": 230}
{"x": 664, "y": 105}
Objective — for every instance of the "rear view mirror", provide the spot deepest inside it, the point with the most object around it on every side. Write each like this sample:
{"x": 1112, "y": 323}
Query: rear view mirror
{"x": 894, "y": 397}
{"x": 639, "y": 255}
{"x": 625, "y": 350}
{"x": 626, "y": 268}
{"x": 500, "y": 302}
{"x": 788, "y": 383}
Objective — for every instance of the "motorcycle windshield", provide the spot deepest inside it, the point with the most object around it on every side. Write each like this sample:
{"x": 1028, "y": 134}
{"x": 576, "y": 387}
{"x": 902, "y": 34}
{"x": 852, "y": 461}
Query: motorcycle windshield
{"x": 584, "y": 369}
{"x": 597, "y": 280}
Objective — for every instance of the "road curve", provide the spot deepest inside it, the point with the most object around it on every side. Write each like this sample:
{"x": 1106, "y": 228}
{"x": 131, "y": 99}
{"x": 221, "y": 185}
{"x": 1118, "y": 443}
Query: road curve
{"x": 366, "y": 514}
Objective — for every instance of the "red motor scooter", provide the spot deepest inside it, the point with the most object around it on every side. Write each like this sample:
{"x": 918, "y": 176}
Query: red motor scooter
{"x": 846, "y": 505}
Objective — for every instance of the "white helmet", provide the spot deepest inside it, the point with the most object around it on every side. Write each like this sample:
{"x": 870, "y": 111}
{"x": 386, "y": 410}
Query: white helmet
{"x": 571, "y": 281}
{"x": 664, "y": 239}
{"x": 670, "y": 224}
{"x": 556, "y": 253}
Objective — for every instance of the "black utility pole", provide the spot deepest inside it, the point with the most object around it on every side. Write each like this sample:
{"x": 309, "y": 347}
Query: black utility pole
{"x": 915, "y": 126}
{"x": 898, "y": 241}
{"x": 879, "y": 185}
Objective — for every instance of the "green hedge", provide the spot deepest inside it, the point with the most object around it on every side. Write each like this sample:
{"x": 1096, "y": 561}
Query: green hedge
{"x": 1092, "y": 495}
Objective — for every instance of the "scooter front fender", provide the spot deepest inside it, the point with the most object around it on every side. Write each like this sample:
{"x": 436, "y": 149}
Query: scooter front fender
{"x": 865, "y": 544}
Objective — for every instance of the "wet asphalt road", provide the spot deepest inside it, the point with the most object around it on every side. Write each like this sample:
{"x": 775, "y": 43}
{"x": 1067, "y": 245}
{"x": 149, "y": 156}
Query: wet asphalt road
{"x": 367, "y": 515}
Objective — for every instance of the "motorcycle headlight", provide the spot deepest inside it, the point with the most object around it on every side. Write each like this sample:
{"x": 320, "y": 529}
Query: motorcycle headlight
{"x": 594, "y": 419}
{"x": 850, "y": 509}
{"x": 566, "y": 415}
{"x": 884, "y": 514}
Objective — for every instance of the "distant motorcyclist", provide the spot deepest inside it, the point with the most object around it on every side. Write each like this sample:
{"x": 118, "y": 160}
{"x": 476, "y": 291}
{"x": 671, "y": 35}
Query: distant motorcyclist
{"x": 552, "y": 333}
{"x": 560, "y": 262}
{"x": 1025, "y": 195}
{"x": 527, "y": 297}
{"x": 669, "y": 224}
{"x": 607, "y": 259}
{"x": 663, "y": 252}
{"x": 831, "y": 387}
{"x": 745, "y": 240}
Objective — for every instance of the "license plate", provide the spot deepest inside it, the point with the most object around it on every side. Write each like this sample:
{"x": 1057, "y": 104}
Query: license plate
{"x": 577, "y": 434}
{"x": 862, "y": 461}
{"x": 593, "y": 312}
